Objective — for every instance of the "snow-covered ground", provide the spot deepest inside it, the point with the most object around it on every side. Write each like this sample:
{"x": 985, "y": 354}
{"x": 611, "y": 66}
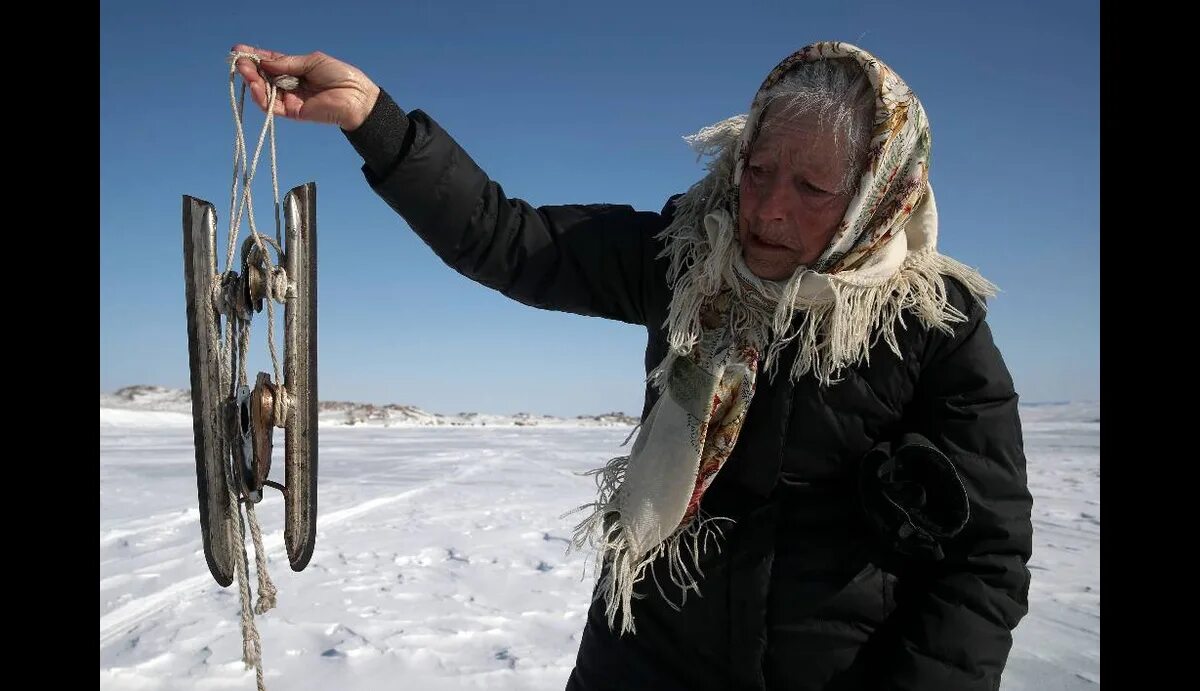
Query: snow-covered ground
{"x": 440, "y": 556}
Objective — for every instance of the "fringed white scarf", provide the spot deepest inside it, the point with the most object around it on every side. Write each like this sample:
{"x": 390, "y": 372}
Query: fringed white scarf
{"x": 881, "y": 262}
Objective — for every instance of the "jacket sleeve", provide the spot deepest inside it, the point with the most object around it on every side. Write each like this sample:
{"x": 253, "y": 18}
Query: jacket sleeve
{"x": 952, "y": 627}
{"x": 594, "y": 259}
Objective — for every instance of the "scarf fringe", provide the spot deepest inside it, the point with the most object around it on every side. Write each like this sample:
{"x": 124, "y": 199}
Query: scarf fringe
{"x": 701, "y": 253}
{"x": 841, "y": 332}
{"x": 601, "y": 531}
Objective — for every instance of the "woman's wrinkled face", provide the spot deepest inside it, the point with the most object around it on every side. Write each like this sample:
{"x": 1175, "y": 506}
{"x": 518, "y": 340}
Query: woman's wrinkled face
{"x": 791, "y": 197}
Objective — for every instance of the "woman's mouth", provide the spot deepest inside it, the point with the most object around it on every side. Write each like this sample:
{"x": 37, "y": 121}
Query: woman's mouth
{"x": 760, "y": 243}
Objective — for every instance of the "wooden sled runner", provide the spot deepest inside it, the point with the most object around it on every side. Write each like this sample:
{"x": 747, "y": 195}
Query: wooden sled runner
{"x": 233, "y": 421}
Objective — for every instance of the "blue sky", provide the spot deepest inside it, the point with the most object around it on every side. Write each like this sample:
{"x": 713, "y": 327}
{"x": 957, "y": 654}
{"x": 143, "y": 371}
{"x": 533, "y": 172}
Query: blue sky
{"x": 581, "y": 103}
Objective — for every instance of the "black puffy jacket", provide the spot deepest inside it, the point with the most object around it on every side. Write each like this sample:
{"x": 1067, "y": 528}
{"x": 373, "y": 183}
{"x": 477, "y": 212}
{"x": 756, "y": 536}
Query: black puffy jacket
{"x": 814, "y": 588}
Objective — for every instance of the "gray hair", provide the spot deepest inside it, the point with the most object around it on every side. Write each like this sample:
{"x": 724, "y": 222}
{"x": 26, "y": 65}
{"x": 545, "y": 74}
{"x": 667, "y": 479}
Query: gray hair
{"x": 838, "y": 95}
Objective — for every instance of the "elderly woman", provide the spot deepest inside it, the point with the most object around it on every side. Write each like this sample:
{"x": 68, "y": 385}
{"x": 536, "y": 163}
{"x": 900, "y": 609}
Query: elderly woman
{"x": 828, "y": 488}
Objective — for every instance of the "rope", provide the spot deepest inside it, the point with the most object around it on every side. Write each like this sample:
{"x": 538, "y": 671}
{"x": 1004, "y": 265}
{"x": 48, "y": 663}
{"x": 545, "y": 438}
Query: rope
{"x": 266, "y": 589}
{"x": 251, "y": 643}
{"x": 281, "y": 406}
{"x": 234, "y": 357}
{"x": 247, "y": 202}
